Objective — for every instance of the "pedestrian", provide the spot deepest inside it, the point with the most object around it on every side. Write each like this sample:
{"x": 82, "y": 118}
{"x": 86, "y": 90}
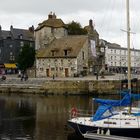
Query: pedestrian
{"x": 22, "y": 76}
{"x": 53, "y": 76}
{"x": 25, "y": 77}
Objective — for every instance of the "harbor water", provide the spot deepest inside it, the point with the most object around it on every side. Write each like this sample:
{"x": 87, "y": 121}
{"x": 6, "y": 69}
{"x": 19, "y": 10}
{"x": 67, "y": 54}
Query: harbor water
{"x": 39, "y": 117}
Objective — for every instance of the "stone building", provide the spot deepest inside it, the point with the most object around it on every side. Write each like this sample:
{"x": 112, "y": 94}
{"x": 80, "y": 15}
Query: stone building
{"x": 48, "y": 30}
{"x": 65, "y": 57}
{"x": 61, "y": 55}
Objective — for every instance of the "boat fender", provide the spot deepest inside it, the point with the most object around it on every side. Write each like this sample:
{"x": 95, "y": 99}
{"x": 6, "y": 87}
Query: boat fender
{"x": 74, "y": 112}
{"x": 108, "y": 132}
{"x": 102, "y": 132}
{"x": 98, "y": 131}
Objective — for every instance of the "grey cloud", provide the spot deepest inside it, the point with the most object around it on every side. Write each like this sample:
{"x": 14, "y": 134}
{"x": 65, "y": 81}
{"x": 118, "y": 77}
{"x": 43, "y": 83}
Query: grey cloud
{"x": 107, "y": 14}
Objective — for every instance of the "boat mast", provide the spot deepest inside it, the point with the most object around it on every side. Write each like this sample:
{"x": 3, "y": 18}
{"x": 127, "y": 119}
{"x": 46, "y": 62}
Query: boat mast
{"x": 128, "y": 49}
{"x": 128, "y": 45}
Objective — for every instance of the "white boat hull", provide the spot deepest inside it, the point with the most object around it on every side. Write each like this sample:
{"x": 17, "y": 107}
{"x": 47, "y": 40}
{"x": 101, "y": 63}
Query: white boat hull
{"x": 126, "y": 126}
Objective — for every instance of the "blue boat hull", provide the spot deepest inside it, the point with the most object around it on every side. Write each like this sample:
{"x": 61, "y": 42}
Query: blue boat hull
{"x": 127, "y": 132}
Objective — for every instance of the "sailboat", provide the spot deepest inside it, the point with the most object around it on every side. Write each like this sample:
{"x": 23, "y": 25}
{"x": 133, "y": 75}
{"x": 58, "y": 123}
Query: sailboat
{"x": 107, "y": 119}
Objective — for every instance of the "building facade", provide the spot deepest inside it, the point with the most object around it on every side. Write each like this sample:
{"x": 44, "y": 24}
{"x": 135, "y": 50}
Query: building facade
{"x": 11, "y": 43}
{"x": 116, "y": 58}
{"x": 62, "y": 55}
{"x": 69, "y": 60}
{"x": 48, "y": 30}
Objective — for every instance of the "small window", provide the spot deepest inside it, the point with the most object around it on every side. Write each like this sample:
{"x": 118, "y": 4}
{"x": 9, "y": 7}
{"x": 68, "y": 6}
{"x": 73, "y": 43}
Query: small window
{"x": 31, "y": 44}
{"x": 10, "y": 45}
{"x": 52, "y": 53}
{"x": 65, "y": 52}
{"x": 52, "y": 69}
{"x": 83, "y": 55}
{"x": 13, "y": 57}
{"x": 21, "y": 43}
{"x": 20, "y": 36}
{"x": 52, "y": 30}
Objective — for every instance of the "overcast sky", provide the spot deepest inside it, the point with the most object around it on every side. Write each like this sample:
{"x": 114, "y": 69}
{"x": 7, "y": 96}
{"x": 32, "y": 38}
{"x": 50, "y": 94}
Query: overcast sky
{"x": 108, "y": 15}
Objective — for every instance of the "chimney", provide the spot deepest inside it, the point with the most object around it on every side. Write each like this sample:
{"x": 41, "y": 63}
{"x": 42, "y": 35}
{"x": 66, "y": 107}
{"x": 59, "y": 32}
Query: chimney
{"x": 54, "y": 16}
{"x": 50, "y": 16}
{"x": 11, "y": 28}
{"x": 91, "y": 23}
{"x": 31, "y": 29}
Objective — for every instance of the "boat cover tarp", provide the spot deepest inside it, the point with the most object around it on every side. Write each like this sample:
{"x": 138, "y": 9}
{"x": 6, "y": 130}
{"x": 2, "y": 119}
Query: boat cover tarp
{"x": 124, "y": 102}
{"x": 103, "y": 112}
{"x": 134, "y": 96}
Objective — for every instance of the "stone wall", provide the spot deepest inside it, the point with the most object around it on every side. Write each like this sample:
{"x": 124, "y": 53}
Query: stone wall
{"x": 45, "y": 36}
{"x": 81, "y": 87}
{"x": 61, "y": 87}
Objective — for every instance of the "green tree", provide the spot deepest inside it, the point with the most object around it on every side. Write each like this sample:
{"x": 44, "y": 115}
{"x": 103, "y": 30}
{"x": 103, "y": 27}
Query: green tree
{"x": 74, "y": 28}
{"x": 26, "y": 57}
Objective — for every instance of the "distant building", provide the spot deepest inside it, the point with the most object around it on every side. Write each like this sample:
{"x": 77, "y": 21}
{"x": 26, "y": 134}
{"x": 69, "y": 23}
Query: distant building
{"x": 11, "y": 43}
{"x": 116, "y": 58}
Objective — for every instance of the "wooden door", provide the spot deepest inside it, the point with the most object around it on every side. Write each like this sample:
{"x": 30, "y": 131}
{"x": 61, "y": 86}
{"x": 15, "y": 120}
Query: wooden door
{"x": 48, "y": 72}
{"x": 66, "y": 72}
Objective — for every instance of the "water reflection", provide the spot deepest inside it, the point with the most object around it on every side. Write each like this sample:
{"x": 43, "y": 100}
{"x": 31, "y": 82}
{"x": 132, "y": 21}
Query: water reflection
{"x": 16, "y": 118}
{"x": 39, "y": 118}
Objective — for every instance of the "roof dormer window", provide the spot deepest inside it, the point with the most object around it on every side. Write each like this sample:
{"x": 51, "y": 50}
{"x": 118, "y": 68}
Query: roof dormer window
{"x": 54, "y": 51}
{"x": 20, "y": 36}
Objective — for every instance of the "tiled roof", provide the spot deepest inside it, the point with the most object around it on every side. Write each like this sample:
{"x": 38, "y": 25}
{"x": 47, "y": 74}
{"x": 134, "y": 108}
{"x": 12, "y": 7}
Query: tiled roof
{"x": 72, "y": 44}
{"x": 52, "y": 22}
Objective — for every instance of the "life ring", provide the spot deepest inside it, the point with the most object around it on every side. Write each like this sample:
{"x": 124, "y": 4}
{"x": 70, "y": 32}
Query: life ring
{"x": 74, "y": 112}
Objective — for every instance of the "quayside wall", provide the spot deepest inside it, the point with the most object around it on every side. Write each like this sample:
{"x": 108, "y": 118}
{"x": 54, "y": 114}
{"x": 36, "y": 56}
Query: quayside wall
{"x": 61, "y": 87}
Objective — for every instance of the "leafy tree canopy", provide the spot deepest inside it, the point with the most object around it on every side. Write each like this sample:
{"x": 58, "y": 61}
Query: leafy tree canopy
{"x": 26, "y": 57}
{"x": 74, "y": 28}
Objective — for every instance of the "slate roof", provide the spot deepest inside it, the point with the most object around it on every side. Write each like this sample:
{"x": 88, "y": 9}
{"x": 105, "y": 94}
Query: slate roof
{"x": 27, "y": 35}
{"x": 15, "y": 34}
{"x": 4, "y": 34}
{"x": 72, "y": 44}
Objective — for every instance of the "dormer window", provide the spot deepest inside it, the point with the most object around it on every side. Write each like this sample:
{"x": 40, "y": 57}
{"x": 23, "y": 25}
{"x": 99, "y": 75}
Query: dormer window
{"x": 20, "y": 36}
{"x": 8, "y": 37}
{"x": 54, "y": 51}
{"x": 67, "y": 51}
